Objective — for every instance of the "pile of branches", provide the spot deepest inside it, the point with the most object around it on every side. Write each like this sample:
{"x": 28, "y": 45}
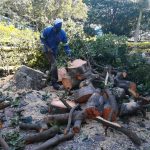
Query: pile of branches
{"x": 83, "y": 100}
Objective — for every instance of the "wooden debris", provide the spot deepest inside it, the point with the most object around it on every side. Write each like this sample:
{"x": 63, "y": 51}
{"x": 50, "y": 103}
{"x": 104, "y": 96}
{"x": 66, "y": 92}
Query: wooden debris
{"x": 132, "y": 135}
{"x": 55, "y": 141}
{"x": 70, "y": 119}
{"x": 82, "y": 95}
{"x": 45, "y": 135}
{"x": 60, "y": 105}
{"x": 79, "y": 118}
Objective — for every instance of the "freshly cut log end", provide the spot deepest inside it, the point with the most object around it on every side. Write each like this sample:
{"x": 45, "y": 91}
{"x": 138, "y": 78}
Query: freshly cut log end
{"x": 77, "y": 126}
{"x": 83, "y": 94}
{"x": 62, "y": 72}
{"x": 67, "y": 83}
{"x": 57, "y": 106}
{"x": 92, "y": 112}
{"x": 106, "y": 113}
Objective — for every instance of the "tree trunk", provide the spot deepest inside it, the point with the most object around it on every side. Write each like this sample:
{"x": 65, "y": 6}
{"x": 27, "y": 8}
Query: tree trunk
{"x": 138, "y": 26}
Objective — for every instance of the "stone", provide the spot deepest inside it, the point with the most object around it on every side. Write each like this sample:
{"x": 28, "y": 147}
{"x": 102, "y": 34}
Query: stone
{"x": 28, "y": 78}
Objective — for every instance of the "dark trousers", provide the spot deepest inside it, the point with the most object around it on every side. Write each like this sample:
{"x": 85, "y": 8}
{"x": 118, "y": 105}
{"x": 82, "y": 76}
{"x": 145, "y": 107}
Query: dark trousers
{"x": 52, "y": 65}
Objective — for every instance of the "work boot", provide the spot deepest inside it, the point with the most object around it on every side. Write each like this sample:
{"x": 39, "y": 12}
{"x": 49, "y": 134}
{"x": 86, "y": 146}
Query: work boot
{"x": 55, "y": 85}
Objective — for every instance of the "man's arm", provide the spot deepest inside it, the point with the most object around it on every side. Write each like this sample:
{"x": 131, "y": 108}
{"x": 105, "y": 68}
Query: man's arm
{"x": 66, "y": 44}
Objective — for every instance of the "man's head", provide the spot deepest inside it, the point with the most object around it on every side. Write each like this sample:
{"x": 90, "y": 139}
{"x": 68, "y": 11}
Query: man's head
{"x": 124, "y": 72}
{"x": 58, "y": 25}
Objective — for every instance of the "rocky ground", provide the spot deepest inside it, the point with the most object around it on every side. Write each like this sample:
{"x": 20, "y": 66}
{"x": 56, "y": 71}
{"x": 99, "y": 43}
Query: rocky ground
{"x": 91, "y": 137}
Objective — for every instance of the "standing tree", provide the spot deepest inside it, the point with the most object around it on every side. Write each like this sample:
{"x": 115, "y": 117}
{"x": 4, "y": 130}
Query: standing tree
{"x": 143, "y": 6}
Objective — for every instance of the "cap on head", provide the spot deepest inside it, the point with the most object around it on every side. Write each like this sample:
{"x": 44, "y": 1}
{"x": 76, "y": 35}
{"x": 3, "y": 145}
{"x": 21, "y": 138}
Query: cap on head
{"x": 58, "y": 24}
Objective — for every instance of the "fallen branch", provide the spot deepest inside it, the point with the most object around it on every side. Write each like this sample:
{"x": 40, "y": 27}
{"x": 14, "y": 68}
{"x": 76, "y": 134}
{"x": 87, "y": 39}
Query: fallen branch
{"x": 70, "y": 118}
{"x": 79, "y": 118}
{"x": 59, "y": 118}
{"x": 55, "y": 141}
{"x": 45, "y": 135}
{"x": 27, "y": 126}
{"x": 3, "y": 144}
{"x": 134, "y": 138}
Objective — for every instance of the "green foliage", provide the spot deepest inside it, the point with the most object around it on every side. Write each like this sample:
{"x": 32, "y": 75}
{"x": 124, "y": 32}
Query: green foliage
{"x": 14, "y": 140}
{"x": 17, "y": 46}
{"x": 37, "y": 13}
{"x": 140, "y": 46}
{"x": 139, "y": 71}
{"x": 117, "y": 17}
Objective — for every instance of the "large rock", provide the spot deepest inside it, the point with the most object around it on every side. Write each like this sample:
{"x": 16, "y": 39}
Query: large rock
{"x": 28, "y": 78}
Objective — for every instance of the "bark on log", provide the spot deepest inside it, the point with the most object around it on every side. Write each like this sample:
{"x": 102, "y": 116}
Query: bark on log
{"x": 79, "y": 118}
{"x": 132, "y": 135}
{"x": 82, "y": 95}
{"x": 45, "y": 135}
{"x": 38, "y": 127}
{"x": 4, "y": 105}
{"x": 59, "y": 118}
{"x": 114, "y": 107}
{"x": 3, "y": 144}
{"x": 27, "y": 126}
{"x": 94, "y": 106}
{"x": 55, "y": 141}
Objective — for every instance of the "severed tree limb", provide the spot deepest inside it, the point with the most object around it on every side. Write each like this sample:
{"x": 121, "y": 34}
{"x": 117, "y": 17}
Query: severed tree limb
{"x": 70, "y": 118}
{"x": 132, "y": 135}
{"x": 45, "y": 135}
{"x": 4, "y": 105}
{"x": 79, "y": 118}
{"x": 55, "y": 141}
{"x": 27, "y": 126}
{"x": 59, "y": 118}
{"x": 3, "y": 144}
{"x": 113, "y": 103}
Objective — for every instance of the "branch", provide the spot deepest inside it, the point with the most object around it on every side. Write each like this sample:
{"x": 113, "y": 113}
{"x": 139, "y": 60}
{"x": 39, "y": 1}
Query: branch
{"x": 134, "y": 138}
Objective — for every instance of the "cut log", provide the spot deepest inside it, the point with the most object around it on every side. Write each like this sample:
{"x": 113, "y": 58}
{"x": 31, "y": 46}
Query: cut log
{"x": 134, "y": 138}
{"x": 45, "y": 135}
{"x": 4, "y": 105}
{"x": 82, "y": 95}
{"x": 79, "y": 118}
{"x": 3, "y": 144}
{"x": 78, "y": 66}
{"x": 38, "y": 127}
{"x": 27, "y": 126}
{"x": 61, "y": 73}
{"x": 94, "y": 106}
{"x": 70, "y": 82}
{"x": 114, "y": 106}
{"x": 58, "y": 106}
{"x": 55, "y": 141}
{"x": 59, "y": 118}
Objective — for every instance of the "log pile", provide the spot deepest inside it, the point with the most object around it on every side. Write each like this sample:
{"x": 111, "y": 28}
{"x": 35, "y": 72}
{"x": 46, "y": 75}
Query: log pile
{"x": 83, "y": 100}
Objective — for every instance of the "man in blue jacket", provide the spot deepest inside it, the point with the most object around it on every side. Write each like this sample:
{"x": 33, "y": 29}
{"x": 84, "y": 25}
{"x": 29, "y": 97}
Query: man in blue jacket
{"x": 50, "y": 38}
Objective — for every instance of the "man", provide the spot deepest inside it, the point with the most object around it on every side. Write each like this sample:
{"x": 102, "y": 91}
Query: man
{"x": 50, "y": 38}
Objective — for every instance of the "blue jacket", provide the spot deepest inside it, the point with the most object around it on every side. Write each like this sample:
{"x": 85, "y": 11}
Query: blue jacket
{"x": 51, "y": 39}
